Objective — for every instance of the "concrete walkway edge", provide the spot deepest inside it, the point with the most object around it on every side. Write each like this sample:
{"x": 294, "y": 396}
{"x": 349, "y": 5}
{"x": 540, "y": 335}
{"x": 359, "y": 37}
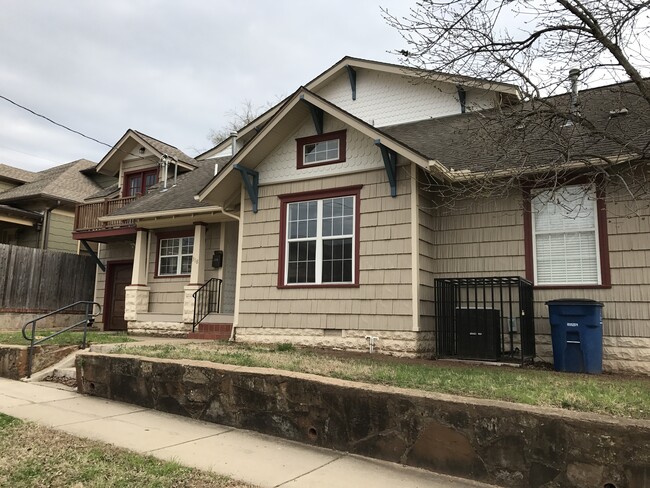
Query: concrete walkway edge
{"x": 259, "y": 459}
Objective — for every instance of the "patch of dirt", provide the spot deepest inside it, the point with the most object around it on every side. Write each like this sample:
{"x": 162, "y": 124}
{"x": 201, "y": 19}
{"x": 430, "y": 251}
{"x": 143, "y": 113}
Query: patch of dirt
{"x": 71, "y": 382}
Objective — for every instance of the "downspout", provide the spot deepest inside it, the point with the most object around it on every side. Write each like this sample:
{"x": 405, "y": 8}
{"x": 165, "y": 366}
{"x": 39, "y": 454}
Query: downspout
{"x": 45, "y": 227}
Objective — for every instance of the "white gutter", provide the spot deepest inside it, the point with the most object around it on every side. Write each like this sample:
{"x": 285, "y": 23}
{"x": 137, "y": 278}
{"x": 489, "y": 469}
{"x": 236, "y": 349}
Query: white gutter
{"x": 166, "y": 213}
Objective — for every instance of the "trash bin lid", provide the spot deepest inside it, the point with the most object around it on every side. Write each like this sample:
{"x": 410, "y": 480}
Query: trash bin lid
{"x": 575, "y": 301}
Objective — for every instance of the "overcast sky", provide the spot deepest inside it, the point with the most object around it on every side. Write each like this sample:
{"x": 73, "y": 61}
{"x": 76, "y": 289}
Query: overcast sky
{"x": 170, "y": 69}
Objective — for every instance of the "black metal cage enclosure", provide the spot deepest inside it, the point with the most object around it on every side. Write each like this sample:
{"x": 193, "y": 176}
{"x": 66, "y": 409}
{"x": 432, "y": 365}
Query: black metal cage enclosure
{"x": 488, "y": 319}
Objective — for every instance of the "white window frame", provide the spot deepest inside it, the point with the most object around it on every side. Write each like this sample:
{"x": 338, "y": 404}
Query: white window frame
{"x": 179, "y": 256}
{"x": 319, "y": 238}
{"x": 319, "y": 161}
{"x": 590, "y": 193}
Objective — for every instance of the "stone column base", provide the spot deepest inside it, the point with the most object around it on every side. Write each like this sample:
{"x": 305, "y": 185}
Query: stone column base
{"x": 137, "y": 301}
{"x": 188, "y": 303}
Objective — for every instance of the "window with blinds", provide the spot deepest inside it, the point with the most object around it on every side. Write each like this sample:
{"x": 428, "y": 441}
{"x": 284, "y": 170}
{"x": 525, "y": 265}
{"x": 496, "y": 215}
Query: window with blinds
{"x": 565, "y": 236}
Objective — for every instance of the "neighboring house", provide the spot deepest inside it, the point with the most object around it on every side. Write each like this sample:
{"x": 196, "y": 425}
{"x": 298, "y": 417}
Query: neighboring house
{"x": 37, "y": 209}
{"x": 317, "y": 219}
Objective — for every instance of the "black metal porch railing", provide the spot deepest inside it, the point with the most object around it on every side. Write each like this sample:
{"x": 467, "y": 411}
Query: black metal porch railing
{"x": 485, "y": 318}
{"x": 206, "y": 300}
{"x": 89, "y": 319}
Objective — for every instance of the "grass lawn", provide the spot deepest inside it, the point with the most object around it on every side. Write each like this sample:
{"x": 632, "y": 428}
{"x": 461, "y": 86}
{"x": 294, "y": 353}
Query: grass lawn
{"x": 65, "y": 339}
{"x": 606, "y": 394}
{"x": 35, "y": 456}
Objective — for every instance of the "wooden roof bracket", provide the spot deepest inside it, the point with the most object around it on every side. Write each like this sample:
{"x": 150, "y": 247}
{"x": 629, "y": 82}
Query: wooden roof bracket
{"x": 316, "y": 115}
{"x": 92, "y": 253}
{"x": 251, "y": 179}
{"x": 390, "y": 164}
{"x": 352, "y": 74}
{"x": 462, "y": 98}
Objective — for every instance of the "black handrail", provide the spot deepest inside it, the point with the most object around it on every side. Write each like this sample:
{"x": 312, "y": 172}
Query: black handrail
{"x": 206, "y": 300}
{"x": 88, "y": 321}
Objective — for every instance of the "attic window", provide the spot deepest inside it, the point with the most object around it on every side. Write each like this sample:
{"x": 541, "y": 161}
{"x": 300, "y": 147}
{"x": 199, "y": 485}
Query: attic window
{"x": 138, "y": 182}
{"x": 321, "y": 149}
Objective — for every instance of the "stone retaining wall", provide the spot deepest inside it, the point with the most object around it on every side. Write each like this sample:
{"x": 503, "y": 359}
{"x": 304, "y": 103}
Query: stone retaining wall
{"x": 13, "y": 359}
{"x": 495, "y": 442}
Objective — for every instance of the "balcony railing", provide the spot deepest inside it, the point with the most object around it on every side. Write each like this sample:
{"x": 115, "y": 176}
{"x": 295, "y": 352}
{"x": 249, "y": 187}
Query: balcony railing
{"x": 86, "y": 218}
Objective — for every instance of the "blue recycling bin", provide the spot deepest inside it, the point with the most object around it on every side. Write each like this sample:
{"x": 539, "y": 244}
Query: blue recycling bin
{"x": 577, "y": 335}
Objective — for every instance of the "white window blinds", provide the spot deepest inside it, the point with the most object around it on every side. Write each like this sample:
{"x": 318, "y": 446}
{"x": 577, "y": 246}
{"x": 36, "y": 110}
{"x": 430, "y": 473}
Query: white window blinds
{"x": 565, "y": 236}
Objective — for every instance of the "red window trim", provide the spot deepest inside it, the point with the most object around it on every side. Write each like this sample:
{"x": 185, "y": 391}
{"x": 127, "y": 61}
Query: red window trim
{"x": 285, "y": 199}
{"x": 143, "y": 173}
{"x": 301, "y": 142}
{"x": 603, "y": 242}
{"x": 169, "y": 235}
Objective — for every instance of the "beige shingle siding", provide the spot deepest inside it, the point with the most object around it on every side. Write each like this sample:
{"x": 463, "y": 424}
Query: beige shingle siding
{"x": 427, "y": 260}
{"x": 60, "y": 232}
{"x": 166, "y": 294}
{"x": 383, "y": 299}
{"x": 487, "y": 238}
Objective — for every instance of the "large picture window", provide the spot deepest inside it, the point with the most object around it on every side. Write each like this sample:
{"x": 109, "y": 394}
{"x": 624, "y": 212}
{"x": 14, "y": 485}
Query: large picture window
{"x": 566, "y": 237}
{"x": 321, "y": 149}
{"x": 319, "y": 239}
{"x": 175, "y": 256}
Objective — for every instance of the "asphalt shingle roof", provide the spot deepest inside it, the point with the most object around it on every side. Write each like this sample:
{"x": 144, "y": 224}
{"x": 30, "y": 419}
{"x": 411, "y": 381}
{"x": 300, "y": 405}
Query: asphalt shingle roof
{"x": 64, "y": 182}
{"x": 16, "y": 174}
{"x": 521, "y": 136}
{"x": 168, "y": 149}
{"x": 176, "y": 197}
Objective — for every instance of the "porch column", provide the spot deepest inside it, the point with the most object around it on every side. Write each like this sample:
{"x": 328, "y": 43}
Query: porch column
{"x": 197, "y": 274}
{"x": 137, "y": 293}
{"x": 140, "y": 258}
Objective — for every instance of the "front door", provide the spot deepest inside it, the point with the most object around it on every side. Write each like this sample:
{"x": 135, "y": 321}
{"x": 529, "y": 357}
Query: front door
{"x": 118, "y": 277}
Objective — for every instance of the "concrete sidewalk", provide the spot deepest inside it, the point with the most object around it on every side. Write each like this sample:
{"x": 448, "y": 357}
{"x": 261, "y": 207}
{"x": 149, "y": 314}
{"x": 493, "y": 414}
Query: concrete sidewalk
{"x": 247, "y": 456}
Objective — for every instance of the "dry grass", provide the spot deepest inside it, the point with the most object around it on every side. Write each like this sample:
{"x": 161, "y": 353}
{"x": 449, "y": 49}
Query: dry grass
{"x": 606, "y": 394}
{"x": 66, "y": 338}
{"x": 32, "y": 456}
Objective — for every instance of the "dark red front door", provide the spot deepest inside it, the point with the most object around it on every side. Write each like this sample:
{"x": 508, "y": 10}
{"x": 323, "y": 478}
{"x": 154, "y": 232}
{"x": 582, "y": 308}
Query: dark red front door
{"x": 118, "y": 277}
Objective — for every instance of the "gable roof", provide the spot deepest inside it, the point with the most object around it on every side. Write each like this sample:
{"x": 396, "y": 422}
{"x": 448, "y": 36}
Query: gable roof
{"x": 64, "y": 182}
{"x": 16, "y": 174}
{"x": 111, "y": 161}
{"x": 340, "y": 66}
{"x": 292, "y": 113}
{"x": 179, "y": 197}
{"x": 467, "y": 81}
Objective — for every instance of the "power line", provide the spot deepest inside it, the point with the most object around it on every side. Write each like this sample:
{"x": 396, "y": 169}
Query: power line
{"x": 54, "y": 122}
{"x": 66, "y": 127}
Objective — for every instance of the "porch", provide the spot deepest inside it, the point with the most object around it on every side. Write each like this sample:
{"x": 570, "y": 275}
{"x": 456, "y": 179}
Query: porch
{"x": 199, "y": 304}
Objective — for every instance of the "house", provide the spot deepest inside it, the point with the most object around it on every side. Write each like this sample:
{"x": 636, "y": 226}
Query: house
{"x": 315, "y": 225}
{"x": 37, "y": 208}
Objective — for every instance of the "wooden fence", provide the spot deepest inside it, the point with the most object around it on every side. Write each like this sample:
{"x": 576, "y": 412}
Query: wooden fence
{"x": 35, "y": 280}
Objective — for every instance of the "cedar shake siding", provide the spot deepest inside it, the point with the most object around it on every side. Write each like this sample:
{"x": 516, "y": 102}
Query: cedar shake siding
{"x": 167, "y": 293}
{"x": 486, "y": 238}
{"x": 381, "y": 302}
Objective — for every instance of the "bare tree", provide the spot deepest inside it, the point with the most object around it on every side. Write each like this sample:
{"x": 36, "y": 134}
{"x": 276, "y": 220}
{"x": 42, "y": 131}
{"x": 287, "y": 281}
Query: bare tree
{"x": 238, "y": 118}
{"x": 551, "y": 135}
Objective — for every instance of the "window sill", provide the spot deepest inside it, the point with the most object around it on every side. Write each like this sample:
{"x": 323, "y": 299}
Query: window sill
{"x": 172, "y": 276}
{"x": 325, "y": 285}
{"x": 572, "y": 287}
